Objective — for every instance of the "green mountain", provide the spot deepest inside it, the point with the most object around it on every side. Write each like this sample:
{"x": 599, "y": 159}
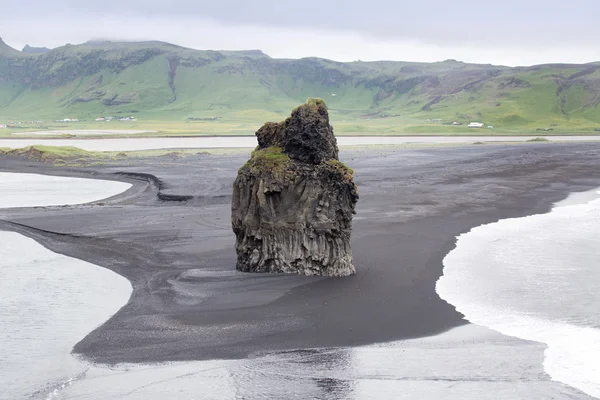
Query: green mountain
{"x": 235, "y": 91}
{"x": 35, "y": 50}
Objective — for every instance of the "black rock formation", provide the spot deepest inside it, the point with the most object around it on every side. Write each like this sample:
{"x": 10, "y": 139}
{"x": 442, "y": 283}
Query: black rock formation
{"x": 293, "y": 201}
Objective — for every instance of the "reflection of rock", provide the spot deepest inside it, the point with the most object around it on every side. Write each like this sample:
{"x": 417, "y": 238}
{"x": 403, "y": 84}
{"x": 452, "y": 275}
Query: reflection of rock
{"x": 293, "y": 201}
{"x": 306, "y": 374}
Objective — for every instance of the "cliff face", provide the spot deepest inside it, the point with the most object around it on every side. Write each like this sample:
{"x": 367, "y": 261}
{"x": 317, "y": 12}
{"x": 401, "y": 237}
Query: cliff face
{"x": 293, "y": 201}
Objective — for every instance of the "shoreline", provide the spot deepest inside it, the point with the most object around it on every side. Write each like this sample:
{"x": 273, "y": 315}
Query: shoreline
{"x": 112, "y": 144}
{"x": 398, "y": 244}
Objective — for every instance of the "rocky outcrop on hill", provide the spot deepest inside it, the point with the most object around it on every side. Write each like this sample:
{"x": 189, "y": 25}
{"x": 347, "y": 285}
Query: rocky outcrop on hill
{"x": 35, "y": 50}
{"x": 293, "y": 201}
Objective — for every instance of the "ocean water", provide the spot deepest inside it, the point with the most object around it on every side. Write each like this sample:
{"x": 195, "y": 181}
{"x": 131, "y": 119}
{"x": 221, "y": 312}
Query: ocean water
{"x": 49, "y": 302}
{"x": 537, "y": 278}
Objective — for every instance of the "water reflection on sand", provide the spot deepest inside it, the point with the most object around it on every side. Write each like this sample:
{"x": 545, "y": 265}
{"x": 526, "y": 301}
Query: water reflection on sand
{"x": 469, "y": 362}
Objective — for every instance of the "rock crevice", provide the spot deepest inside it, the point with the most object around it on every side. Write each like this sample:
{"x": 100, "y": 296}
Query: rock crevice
{"x": 293, "y": 201}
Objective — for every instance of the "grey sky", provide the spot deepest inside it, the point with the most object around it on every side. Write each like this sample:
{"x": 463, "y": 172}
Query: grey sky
{"x": 508, "y": 32}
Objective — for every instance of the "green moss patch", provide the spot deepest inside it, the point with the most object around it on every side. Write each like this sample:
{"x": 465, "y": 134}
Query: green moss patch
{"x": 316, "y": 102}
{"x": 313, "y": 102}
{"x": 346, "y": 172}
{"x": 271, "y": 159}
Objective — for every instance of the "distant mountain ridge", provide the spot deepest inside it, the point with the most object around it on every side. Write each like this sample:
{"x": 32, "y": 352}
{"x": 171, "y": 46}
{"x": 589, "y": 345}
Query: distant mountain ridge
{"x": 162, "y": 81}
{"x": 35, "y": 50}
{"x": 6, "y": 50}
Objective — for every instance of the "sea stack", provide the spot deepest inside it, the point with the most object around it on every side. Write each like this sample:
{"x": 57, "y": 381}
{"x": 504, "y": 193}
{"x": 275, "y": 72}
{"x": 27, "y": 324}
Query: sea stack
{"x": 293, "y": 201}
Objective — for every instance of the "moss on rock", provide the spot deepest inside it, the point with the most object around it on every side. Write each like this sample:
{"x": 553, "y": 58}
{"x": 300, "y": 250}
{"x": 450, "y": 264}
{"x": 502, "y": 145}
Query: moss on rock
{"x": 315, "y": 103}
{"x": 271, "y": 160}
{"x": 346, "y": 172}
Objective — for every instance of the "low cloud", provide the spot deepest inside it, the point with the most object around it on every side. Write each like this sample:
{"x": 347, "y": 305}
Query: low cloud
{"x": 533, "y": 32}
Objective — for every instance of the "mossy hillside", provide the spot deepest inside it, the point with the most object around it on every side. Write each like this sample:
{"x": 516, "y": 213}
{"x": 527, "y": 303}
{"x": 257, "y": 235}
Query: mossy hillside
{"x": 51, "y": 153}
{"x": 65, "y": 155}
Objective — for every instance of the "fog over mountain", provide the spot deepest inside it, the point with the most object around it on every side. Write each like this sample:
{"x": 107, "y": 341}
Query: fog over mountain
{"x": 508, "y": 33}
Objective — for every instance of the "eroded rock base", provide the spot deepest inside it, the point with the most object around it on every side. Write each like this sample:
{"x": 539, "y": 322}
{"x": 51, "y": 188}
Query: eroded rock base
{"x": 295, "y": 252}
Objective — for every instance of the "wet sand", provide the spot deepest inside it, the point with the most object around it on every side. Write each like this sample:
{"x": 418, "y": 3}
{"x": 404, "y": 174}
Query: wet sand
{"x": 170, "y": 235}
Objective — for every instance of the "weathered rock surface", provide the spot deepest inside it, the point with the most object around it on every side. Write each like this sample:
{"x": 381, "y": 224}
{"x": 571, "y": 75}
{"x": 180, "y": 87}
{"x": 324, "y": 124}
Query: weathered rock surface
{"x": 293, "y": 201}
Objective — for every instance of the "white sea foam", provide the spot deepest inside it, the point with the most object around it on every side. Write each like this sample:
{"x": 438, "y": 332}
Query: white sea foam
{"x": 536, "y": 278}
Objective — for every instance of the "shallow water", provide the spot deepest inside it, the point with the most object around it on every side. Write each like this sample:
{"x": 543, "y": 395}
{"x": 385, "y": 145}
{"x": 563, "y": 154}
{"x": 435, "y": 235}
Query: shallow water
{"x": 85, "y": 132}
{"x": 536, "y": 278}
{"x": 469, "y": 362}
{"x": 49, "y": 302}
{"x": 133, "y": 144}
{"x": 32, "y": 190}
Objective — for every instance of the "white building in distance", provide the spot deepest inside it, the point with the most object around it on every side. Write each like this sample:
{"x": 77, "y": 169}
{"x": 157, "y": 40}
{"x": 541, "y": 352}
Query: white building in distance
{"x": 475, "y": 125}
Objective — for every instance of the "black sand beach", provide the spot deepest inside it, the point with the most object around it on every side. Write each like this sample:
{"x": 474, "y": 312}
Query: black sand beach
{"x": 170, "y": 235}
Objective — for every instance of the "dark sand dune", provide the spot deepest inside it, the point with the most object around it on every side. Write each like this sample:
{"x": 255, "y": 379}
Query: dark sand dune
{"x": 170, "y": 234}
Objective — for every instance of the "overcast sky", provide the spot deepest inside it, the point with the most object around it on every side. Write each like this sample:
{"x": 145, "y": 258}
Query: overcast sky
{"x": 508, "y": 32}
